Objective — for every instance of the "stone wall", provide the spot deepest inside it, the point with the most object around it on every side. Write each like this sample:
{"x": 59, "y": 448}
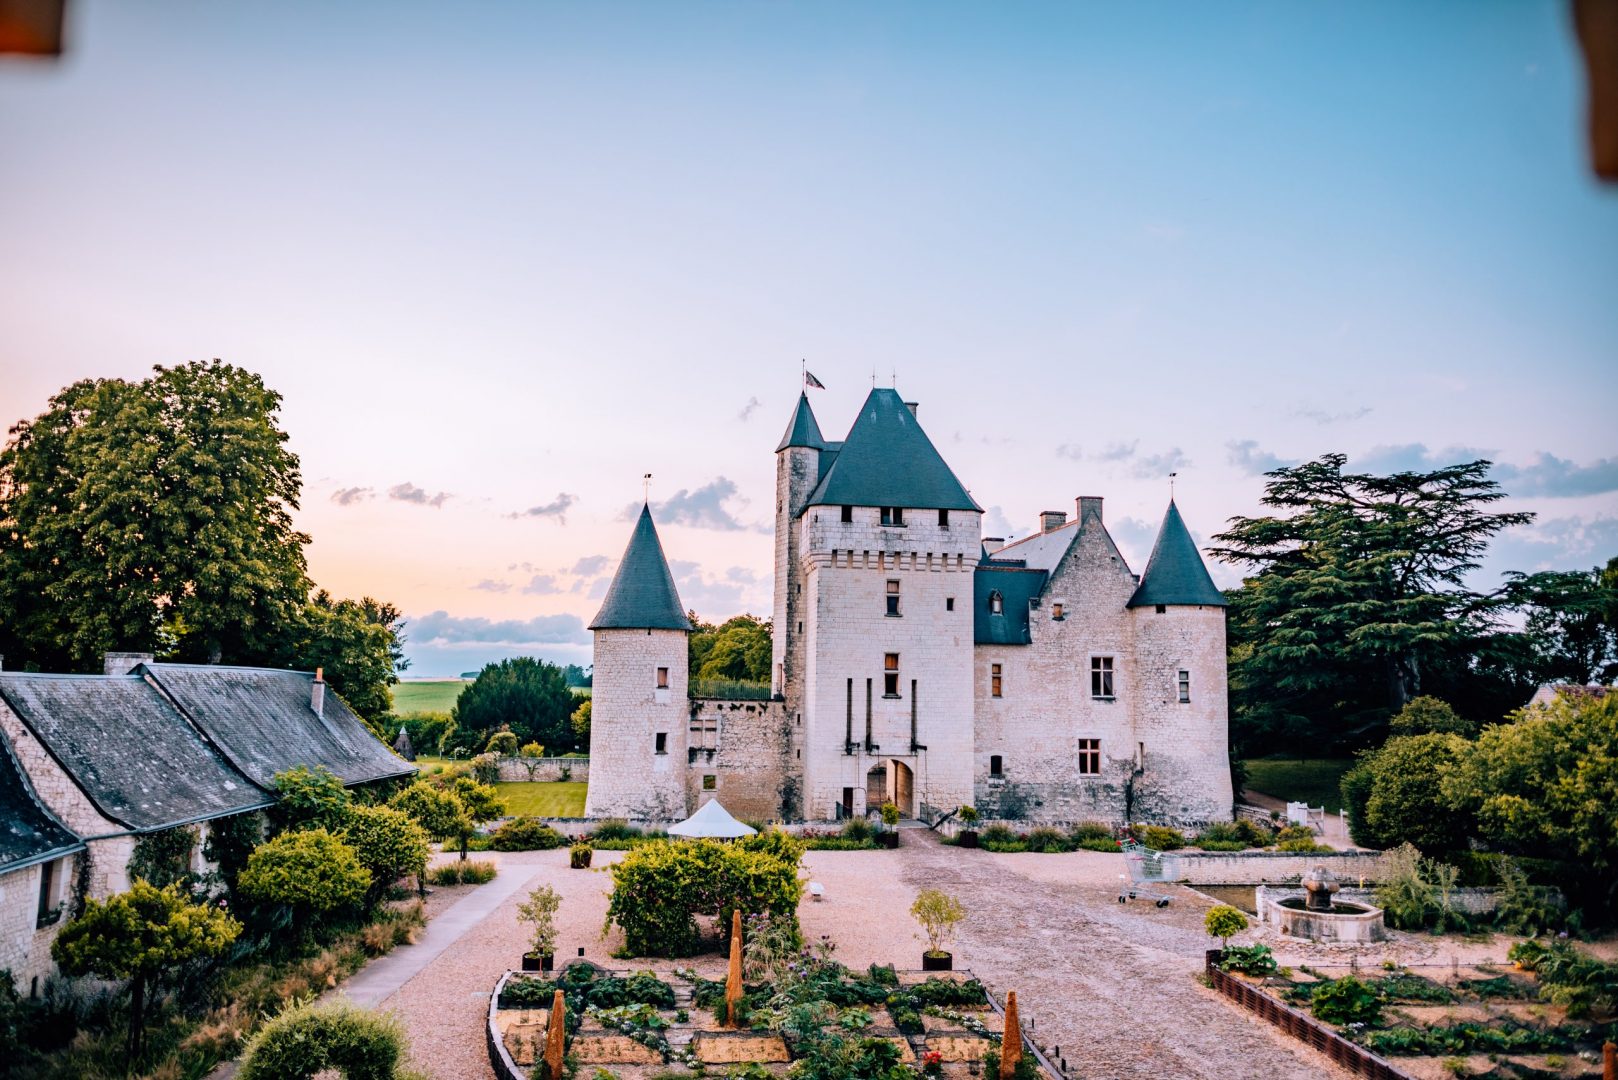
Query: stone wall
{"x": 516, "y": 770}
{"x": 1469, "y": 901}
{"x": 741, "y": 752}
{"x": 1183, "y": 746}
{"x": 1269, "y": 867}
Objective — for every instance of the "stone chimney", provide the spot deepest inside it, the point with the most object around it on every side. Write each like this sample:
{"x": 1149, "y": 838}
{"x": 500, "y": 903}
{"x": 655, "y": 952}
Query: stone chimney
{"x": 317, "y": 692}
{"x": 122, "y": 663}
{"x": 1089, "y": 504}
{"x": 992, "y": 544}
{"x": 1051, "y": 519}
{"x": 912, "y": 406}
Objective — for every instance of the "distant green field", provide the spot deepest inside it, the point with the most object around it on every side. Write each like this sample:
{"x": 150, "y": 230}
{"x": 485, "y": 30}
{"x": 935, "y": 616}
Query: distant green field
{"x": 1312, "y": 780}
{"x": 428, "y": 695}
{"x": 543, "y": 800}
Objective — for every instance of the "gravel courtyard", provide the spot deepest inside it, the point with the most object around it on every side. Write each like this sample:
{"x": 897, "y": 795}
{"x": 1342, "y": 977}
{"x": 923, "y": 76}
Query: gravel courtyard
{"x": 1112, "y": 984}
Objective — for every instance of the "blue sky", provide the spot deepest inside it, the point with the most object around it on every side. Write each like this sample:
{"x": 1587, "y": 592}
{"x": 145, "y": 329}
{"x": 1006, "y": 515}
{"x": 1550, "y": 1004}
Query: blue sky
{"x": 502, "y": 259}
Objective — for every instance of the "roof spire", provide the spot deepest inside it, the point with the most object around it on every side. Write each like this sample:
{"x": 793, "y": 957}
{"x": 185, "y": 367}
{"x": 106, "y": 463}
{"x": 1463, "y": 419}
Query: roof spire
{"x": 1176, "y": 574}
{"x": 802, "y": 430}
{"x": 642, "y": 595}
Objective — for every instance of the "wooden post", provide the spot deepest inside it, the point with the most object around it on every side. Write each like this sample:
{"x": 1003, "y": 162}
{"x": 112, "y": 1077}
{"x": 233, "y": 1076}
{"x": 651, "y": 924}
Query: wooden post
{"x": 1011, "y": 1041}
{"x": 1609, "y": 1062}
{"x": 556, "y": 1038}
{"x": 733, "y": 982}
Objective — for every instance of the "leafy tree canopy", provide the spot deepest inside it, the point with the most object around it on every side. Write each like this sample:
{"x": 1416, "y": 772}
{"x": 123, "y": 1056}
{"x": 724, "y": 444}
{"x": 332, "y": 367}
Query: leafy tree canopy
{"x": 1570, "y": 629}
{"x": 737, "y": 649}
{"x": 528, "y": 696}
{"x": 308, "y": 871}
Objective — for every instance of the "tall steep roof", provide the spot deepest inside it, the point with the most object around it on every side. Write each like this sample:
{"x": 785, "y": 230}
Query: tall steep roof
{"x": 1175, "y": 573}
{"x": 642, "y": 595}
{"x": 803, "y": 430}
{"x": 29, "y": 833}
{"x": 1016, "y": 586}
{"x": 888, "y": 460}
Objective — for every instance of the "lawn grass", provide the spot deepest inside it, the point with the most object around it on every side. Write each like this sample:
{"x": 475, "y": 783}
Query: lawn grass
{"x": 1311, "y": 780}
{"x": 427, "y": 695}
{"x": 556, "y": 799}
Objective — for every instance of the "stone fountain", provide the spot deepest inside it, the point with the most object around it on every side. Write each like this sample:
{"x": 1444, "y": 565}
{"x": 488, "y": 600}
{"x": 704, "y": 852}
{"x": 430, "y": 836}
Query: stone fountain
{"x": 1318, "y": 917}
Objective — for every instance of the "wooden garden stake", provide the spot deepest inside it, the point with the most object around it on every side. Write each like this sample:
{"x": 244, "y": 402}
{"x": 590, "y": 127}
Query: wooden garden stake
{"x": 556, "y": 1038}
{"x": 1609, "y": 1062}
{"x": 1011, "y": 1041}
{"x": 733, "y": 982}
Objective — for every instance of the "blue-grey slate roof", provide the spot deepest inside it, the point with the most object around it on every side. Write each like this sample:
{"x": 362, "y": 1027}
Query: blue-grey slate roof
{"x": 1175, "y": 573}
{"x": 642, "y": 595}
{"x": 1016, "y": 585}
{"x": 29, "y": 833}
{"x": 262, "y": 720}
{"x": 888, "y": 460}
{"x": 803, "y": 430}
{"x": 128, "y": 750}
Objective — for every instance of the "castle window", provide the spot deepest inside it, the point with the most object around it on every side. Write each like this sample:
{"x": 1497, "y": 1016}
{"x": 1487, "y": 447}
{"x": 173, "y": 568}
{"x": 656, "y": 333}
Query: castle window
{"x": 995, "y": 765}
{"x": 52, "y": 889}
{"x": 893, "y": 515}
{"x": 893, "y": 598}
{"x": 710, "y": 782}
{"x": 1056, "y": 610}
{"x": 662, "y": 742}
{"x": 996, "y": 604}
{"x": 890, "y": 674}
{"x": 1089, "y": 757}
{"x": 662, "y": 678}
{"x": 994, "y": 680}
{"x": 1101, "y": 677}
{"x": 848, "y": 514}
{"x": 1185, "y": 687}
{"x": 1162, "y": 609}
{"x": 943, "y": 519}
{"x": 949, "y": 603}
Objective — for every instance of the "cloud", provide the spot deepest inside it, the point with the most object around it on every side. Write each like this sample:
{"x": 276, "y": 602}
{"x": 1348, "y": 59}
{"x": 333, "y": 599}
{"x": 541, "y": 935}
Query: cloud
{"x": 1170, "y": 460}
{"x": 350, "y": 495}
{"x": 442, "y": 628}
{"x": 590, "y": 565}
{"x": 1414, "y": 457}
{"x": 410, "y": 493}
{"x": 1251, "y": 460}
{"x": 1568, "y": 543}
{"x": 1128, "y": 455}
{"x": 1557, "y": 477}
{"x": 719, "y": 596}
{"x": 1321, "y": 416}
{"x": 1071, "y": 451}
{"x": 1118, "y": 451}
{"x": 490, "y": 585}
{"x": 542, "y": 585}
{"x": 1134, "y": 538}
{"x": 747, "y": 410}
{"x": 702, "y": 508}
{"x": 557, "y": 508}
{"x": 995, "y": 523}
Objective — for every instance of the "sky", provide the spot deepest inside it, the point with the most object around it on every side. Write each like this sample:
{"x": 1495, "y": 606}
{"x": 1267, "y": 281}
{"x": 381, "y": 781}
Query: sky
{"x": 503, "y": 259}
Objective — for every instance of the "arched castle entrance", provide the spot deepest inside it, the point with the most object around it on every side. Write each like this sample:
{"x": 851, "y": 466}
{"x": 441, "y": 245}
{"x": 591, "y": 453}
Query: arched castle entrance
{"x": 891, "y": 781}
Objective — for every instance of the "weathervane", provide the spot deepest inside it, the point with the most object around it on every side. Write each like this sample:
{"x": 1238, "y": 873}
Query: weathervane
{"x": 646, "y": 488}
{"x": 1172, "y": 475}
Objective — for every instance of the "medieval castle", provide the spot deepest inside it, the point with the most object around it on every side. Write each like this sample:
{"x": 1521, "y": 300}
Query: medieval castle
{"x": 917, "y": 661}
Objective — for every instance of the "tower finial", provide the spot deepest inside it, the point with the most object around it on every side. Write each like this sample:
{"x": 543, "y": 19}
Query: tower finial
{"x": 1172, "y": 475}
{"x": 646, "y": 488}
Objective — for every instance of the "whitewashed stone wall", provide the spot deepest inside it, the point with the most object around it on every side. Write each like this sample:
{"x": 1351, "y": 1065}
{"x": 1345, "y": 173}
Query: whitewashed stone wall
{"x": 515, "y": 770}
{"x": 1186, "y": 775}
{"x": 745, "y": 750}
{"x": 628, "y": 711}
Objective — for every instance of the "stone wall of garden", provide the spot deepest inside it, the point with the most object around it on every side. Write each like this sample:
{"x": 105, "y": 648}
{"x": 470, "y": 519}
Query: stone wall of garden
{"x": 548, "y": 770}
{"x": 1467, "y": 901}
{"x": 1268, "y": 867}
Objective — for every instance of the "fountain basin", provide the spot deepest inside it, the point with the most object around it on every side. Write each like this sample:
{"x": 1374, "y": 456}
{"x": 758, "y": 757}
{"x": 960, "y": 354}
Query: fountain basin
{"x": 1345, "y": 922}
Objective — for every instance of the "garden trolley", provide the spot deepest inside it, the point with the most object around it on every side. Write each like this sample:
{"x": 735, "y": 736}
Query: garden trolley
{"x": 1145, "y": 867}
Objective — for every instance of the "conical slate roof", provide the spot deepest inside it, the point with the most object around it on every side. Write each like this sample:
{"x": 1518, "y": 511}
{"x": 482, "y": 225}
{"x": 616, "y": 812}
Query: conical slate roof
{"x": 887, "y": 460}
{"x": 803, "y": 430}
{"x": 1175, "y": 574}
{"x": 642, "y": 596}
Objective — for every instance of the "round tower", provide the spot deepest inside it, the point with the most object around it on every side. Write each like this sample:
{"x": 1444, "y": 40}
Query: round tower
{"x": 639, "y": 711}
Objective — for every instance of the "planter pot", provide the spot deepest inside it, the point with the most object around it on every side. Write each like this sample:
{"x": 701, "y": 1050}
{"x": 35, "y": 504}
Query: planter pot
{"x": 937, "y": 961}
{"x": 543, "y": 962}
{"x": 889, "y": 839}
{"x": 967, "y": 838}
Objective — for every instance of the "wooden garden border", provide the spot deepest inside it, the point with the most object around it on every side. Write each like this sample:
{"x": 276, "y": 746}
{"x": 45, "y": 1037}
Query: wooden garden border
{"x": 504, "y": 1067}
{"x": 1351, "y": 1056}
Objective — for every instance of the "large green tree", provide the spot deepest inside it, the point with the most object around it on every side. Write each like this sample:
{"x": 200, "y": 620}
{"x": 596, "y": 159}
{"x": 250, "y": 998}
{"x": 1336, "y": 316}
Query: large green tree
{"x": 529, "y": 696}
{"x": 359, "y": 644}
{"x": 1357, "y": 592}
{"x": 1570, "y": 624}
{"x": 737, "y": 649}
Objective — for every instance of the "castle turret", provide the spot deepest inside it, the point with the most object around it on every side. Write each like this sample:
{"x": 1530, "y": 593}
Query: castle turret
{"x": 639, "y": 710}
{"x": 797, "y": 471}
{"x": 1182, "y": 712}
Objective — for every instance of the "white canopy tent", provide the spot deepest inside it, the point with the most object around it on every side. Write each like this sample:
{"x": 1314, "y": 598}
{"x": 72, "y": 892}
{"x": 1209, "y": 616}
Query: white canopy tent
{"x": 713, "y": 822}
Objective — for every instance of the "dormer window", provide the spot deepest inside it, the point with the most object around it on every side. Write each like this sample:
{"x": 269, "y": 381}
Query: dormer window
{"x": 893, "y": 515}
{"x": 996, "y": 604}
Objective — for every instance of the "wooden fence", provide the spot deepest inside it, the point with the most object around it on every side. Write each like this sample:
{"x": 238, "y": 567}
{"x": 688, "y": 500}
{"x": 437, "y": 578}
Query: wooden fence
{"x": 1351, "y": 1056}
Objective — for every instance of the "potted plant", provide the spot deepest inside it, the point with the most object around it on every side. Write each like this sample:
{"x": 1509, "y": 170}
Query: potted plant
{"x": 938, "y": 912}
{"x": 890, "y": 818}
{"x": 968, "y": 836}
{"x": 540, "y": 909}
{"x": 578, "y": 856}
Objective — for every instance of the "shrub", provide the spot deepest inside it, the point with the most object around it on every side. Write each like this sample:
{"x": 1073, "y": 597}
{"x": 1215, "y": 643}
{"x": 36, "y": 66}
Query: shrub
{"x": 486, "y": 767}
{"x": 968, "y": 816}
{"x": 1251, "y": 959}
{"x": 307, "y": 1039}
{"x": 501, "y": 743}
{"x": 1046, "y": 839}
{"x": 540, "y": 909}
{"x": 890, "y": 814}
{"x": 616, "y": 829}
{"x": 858, "y": 830}
{"x": 309, "y": 799}
{"x": 579, "y": 856}
{"x": 999, "y": 834}
{"x": 389, "y": 844}
{"x": 1407, "y": 802}
{"x": 1349, "y": 1000}
{"x": 462, "y": 872}
{"x": 1224, "y": 922}
{"x": 1427, "y": 715}
{"x": 938, "y": 912}
{"x": 1091, "y": 830}
{"x": 1298, "y": 838}
{"x": 437, "y": 811}
{"x": 525, "y": 834}
{"x": 310, "y": 871}
{"x": 163, "y": 858}
{"x": 1253, "y": 834}
{"x": 1160, "y": 837}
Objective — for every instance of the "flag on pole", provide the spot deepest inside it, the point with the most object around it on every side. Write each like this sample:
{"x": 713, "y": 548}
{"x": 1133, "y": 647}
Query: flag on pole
{"x": 810, "y": 380}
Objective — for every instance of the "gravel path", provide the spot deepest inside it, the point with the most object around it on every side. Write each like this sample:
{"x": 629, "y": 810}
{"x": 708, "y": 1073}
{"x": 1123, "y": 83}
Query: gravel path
{"x": 1112, "y": 984}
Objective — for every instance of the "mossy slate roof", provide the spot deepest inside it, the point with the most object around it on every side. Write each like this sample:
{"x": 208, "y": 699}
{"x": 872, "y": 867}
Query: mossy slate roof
{"x": 1017, "y": 586}
{"x": 29, "y": 833}
{"x": 888, "y": 460}
{"x": 128, "y": 750}
{"x": 803, "y": 429}
{"x": 1175, "y": 573}
{"x": 642, "y": 595}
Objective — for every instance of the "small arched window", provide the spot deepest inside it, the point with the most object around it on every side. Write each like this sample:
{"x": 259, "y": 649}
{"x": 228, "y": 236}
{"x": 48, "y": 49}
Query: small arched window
{"x": 996, "y": 605}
